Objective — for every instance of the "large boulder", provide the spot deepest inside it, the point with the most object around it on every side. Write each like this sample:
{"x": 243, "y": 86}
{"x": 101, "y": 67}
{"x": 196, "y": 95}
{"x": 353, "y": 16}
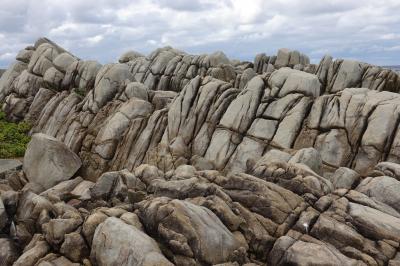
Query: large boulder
{"x": 344, "y": 178}
{"x": 309, "y": 157}
{"x": 8, "y": 252}
{"x": 117, "y": 243}
{"x": 286, "y": 80}
{"x": 191, "y": 231}
{"x": 288, "y": 251}
{"x": 382, "y": 188}
{"x": 48, "y": 161}
{"x": 3, "y": 215}
{"x": 33, "y": 252}
{"x": 374, "y": 223}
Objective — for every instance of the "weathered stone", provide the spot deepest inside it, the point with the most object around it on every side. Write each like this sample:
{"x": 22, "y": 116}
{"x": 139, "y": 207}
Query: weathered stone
{"x": 47, "y": 161}
{"x": 109, "y": 185}
{"x": 137, "y": 90}
{"x": 289, "y": 251}
{"x": 382, "y": 188}
{"x": 389, "y": 169}
{"x": 82, "y": 190}
{"x": 63, "y": 61}
{"x": 24, "y": 55}
{"x": 374, "y": 223}
{"x": 189, "y": 230}
{"x": 74, "y": 247}
{"x": 42, "y": 97}
{"x": 90, "y": 225}
{"x": 118, "y": 243}
{"x": 36, "y": 250}
{"x": 9, "y": 77}
{"x": 344, "y": 178}
{"x": 285, "y": 81}
{"x": 9, "y": 252}
{"x": 3, "y": 215}
{"x": 7, "y": 165}
{"x": 53, "y": 78}
{"x": 42, "y": 59}
{"x": 112, "y": 78}
{"x": 324, "y": 159}
{"x": 348, "y": 76}
{"x": 309, "y": 157}
{"x": 129, "y": 56}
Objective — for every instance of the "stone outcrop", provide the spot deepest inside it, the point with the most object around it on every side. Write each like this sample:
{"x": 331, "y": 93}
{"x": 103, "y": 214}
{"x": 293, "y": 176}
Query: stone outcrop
{"x": 178, "y": 159}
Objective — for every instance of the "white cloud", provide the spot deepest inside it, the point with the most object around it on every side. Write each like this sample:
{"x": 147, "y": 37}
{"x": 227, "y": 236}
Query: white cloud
{"x": 101, "y": 29}
{"x": 390, "y": 36}
{"x": 7, "y": 56}
{"x": 393, "y": 48}
{"x": 94, "y": 40}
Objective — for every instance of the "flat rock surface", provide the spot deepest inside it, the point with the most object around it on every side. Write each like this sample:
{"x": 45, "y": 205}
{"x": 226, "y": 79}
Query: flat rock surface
{"x": 9, "y": 164}
{"x": 48, "y": 161}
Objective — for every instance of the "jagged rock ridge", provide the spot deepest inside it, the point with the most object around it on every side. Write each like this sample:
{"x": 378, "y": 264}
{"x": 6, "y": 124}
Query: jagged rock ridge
{"x": 202, "y": 160}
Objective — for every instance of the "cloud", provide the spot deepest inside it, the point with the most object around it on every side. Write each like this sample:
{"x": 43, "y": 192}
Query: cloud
{"x": 393, "y": 48}
{"x": 102, "y": 29}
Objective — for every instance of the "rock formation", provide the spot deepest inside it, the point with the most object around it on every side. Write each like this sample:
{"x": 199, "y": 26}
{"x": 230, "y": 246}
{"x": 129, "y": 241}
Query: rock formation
{"x": 178, "y": 159}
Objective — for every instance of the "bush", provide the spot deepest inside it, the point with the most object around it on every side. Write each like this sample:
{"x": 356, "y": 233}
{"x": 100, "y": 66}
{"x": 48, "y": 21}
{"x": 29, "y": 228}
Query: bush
{"x": 13, "y": 138}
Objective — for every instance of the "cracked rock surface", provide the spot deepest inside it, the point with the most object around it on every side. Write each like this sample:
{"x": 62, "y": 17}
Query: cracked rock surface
{"x": 179, "y": 159}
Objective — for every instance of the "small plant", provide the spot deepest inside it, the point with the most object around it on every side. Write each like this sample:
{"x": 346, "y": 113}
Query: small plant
{"x": 13, "y": 138}
{"x": 80, "y": 92}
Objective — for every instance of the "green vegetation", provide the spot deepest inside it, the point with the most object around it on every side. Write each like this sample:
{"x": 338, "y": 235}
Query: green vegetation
{"x": 80, "y": 92}
{"x": 13, "y": 138}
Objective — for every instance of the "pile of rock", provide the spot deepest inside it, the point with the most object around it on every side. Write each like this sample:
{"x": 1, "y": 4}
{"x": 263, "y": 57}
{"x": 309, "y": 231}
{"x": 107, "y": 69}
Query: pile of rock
{"x": 282, "y": 212}
{"x": 176, "y": 159}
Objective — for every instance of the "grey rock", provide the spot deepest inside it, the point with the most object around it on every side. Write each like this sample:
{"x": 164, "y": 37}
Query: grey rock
{"x": 374, "y": 223}
{"x": 167, "y": 119}
{"x": 74, "y": 247}
{"x": 307, "y": 253}
{"x": 9, "y": 252}
{"x": 389, "y": 169}
{"x": 129, "y": 56}
{"x": 123, "y": 244}
{"x": 24, "y": 55}
{"x": 42, "y": 97}
{"x": 7, "y": 165}
{"x": 286, "y": 80}
{"x": 161, "y": 99}
{"x": 112, "y": 78}
{"x": 9, "y": 77}
{"x": 3, "y": 215}
{"x": 36, "y": 250}
{"x": 63, "y": 61}
{"x": 137, "y": 90}
{"x": 348, "y": 75}
{"x": 110, "y": 184}
{"x": 53, "y": 78}
{"x": 42, "y": 59}
{"x": 309, "y": 157}
{"x": 383, "y": 189}
{"x": 47, "y": 161}
{"x": 274, "y": 156}
{"x": 210, "y": 240}
{"x": 344, "y": 178}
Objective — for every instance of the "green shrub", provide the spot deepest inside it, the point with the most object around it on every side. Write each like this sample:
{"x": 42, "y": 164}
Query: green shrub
{"x": 13, "y": 138}
{"x": 80, "y": 92}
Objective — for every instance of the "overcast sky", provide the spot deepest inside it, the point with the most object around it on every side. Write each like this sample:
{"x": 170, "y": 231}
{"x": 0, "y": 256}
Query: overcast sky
{"x": 366, "y": 30}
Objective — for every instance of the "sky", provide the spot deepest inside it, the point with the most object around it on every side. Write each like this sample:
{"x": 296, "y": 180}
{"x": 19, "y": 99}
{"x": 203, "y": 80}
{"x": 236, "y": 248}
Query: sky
{"x": 102, "y": 30}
